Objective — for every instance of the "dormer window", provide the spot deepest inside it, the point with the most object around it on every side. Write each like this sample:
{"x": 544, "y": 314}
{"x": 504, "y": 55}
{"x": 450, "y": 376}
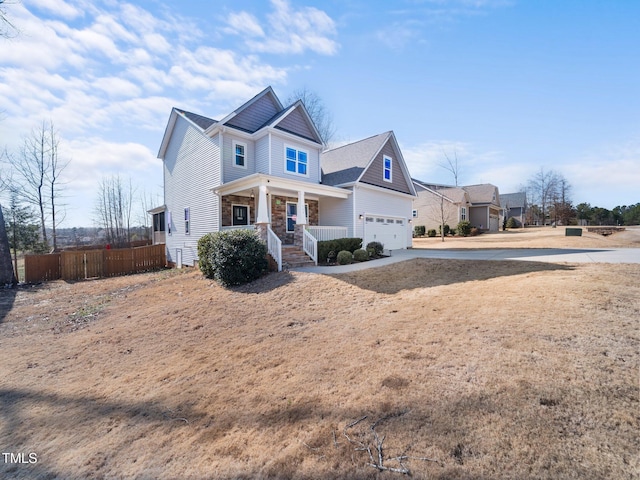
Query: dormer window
{"x": 295, "y": 161}
{"x": 239, "y": 155}
{"x": 388, "y": 166}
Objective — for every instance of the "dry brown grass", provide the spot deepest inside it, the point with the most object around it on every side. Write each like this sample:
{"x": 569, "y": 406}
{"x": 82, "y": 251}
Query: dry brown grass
{"x": 494, "y": 369}
{"x": 536, "y": 237}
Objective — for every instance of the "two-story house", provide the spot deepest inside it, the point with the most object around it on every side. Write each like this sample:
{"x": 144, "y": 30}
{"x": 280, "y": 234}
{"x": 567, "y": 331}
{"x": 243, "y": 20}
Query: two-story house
{"x": 263, "y": 166}
{"x": 478, "y": 204}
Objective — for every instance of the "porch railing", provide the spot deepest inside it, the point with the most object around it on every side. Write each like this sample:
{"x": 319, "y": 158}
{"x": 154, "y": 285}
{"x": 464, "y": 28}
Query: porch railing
{"x": 310, "y": 245}
{"x": 327, "y": 233}
{"x": 274, "y": 247}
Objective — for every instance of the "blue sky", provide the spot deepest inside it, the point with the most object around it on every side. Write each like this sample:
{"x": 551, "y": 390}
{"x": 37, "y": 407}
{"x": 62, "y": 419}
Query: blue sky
{"x": 509, "y": 86}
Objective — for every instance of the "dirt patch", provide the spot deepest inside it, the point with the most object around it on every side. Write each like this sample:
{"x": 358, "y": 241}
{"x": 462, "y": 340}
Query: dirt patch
{"x": 464, "y": 369}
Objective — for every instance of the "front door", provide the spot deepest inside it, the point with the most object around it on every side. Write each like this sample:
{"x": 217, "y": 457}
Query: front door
{"x": 240, "y": 215}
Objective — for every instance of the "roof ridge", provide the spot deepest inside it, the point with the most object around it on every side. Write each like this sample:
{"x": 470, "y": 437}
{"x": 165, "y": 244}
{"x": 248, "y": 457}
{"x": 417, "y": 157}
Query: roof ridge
{"x": 357, "y": 141}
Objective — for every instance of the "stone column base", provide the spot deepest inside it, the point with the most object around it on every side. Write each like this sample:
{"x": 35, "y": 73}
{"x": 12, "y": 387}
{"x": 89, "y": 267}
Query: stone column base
{"x": 298, "y": 235}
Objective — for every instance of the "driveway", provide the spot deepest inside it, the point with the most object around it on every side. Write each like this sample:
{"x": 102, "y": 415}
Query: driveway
{"x": 549, "y": 255}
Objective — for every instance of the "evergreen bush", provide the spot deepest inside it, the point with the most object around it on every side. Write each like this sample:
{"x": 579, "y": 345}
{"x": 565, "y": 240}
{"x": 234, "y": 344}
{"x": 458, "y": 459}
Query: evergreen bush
{"x": 326, "y": 246}
{"x": 360, "y": 255}
{"x": 464, "y": 228}
{"x": 345, "y": 257}
{"x": 419, "y": 230}
{"x": 431, "y": 232}
{"x": 232, "y": 257}
{"x": 513, "y": 223}
{"x": 375, "y": 249}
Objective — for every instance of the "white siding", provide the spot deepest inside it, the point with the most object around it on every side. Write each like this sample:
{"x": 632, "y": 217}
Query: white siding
{"x": 231, "y": 172}
{"x": 336, "y": 212}
{"x": 377, "y": 202}
{"x": 191, "y": 170}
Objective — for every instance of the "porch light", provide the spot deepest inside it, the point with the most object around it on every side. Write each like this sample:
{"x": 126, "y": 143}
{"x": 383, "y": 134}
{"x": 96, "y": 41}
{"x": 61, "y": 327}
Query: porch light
{"x": 360, "y": 217}
{"x": 253, "y": 195}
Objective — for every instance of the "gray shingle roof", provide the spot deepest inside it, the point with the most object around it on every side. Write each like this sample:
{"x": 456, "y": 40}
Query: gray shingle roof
{"x": 346, "y": 163}
{"x": 201, "y": 121}
{"x": 513, "y": 200}
{"x": 482, "y": 193}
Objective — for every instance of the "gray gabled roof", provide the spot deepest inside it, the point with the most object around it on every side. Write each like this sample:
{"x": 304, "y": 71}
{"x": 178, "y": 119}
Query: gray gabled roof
{"x": 513, "y": 200}
{"x": 482, "y": 194}
{"x": 345, "y": 164}
{"x": 200, "y": 120}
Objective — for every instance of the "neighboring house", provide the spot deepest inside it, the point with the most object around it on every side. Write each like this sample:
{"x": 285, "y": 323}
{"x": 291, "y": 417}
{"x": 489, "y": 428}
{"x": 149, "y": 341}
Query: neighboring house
{"x": 260, "y": 167}
{"x": 514, "y": 205}
{"x": 484, "y": 212}
{"x": 436, "y": 205}
{"x": 479, "y": 204}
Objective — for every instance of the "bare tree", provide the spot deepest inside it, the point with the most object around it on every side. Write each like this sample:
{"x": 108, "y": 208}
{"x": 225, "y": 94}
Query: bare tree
{"x": 113, "y": 209}
{"x": 543, "y": 187}
{"x": 37, "y": 172}
{"x": 452, "y": 165}
{"x": 7, "y": 29}
{"x": 7, "y": 275}
{"x": 317, "y": 111}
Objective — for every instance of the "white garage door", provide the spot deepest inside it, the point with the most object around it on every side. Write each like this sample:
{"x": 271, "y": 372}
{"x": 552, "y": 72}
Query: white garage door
{"x": 390, "y": 231}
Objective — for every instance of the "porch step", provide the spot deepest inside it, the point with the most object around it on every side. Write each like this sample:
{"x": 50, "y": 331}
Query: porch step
{"x": 294, "y": 257}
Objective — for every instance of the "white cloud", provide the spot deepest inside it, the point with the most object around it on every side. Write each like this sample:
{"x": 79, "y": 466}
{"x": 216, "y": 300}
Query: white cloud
{"x": 59, "y": 8}
{"x": 608, "y": 177}
{"x": 243, "y": 23}
{"x": 288, "y": 30}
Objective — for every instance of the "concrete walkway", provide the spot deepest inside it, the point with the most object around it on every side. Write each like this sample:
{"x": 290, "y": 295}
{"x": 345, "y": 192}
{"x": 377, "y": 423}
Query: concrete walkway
{"x": 550, "y": 255}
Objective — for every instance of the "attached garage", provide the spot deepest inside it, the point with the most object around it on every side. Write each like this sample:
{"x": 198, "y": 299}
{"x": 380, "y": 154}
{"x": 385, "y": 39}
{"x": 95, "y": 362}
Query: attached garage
{"x": 390, "y": 231}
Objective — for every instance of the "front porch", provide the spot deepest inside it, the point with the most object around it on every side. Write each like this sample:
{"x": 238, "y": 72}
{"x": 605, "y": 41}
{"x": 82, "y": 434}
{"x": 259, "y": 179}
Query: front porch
{"x": 284, "y": 212}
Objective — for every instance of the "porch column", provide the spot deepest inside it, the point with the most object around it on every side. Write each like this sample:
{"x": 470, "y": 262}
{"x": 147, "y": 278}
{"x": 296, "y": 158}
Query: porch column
{"x": 301, "y": 221}
{"x": 301, "y": 214}
{"x": 262, "y": 215}
{"x": 263, "y": 212}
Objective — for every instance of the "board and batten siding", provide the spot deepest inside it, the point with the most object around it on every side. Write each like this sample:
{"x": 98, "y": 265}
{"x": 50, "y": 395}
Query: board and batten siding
{"x": 336, "y": 212}
{"x": 375, "y": 172}
{"x": 278, "y": 160}
{"x": 191, "y": 171}
{"x": 370, "y": 201}
{"x": 231, "y": 172}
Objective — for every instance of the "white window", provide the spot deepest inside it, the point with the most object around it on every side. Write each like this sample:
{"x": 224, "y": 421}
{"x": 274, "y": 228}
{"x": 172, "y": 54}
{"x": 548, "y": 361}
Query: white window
{"x": 295, "y": 161}
{"x": 414, "y": 213}
{"x": 187, "y": 220}
{"x": 463, "y": 213}
{"x": 388, "y": 167}
{"x": 169, "y": 223}
{"x": 239, "y": 155}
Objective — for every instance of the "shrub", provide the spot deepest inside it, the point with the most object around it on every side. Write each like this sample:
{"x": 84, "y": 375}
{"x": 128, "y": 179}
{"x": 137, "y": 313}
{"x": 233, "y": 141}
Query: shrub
{"x": 345, "y": 257}
{"x": 513, "y": 223}
{"x": 446, "y": 229}
{"x": 419, "y": 230}
{"x": 232, "y": 257}
{"x": 375, "y": 248}
{"x": 464, "y": 228}
{"x": 326, "y": 246}
{"x": 431, "y": 232}
{"x": 360, "y": 255}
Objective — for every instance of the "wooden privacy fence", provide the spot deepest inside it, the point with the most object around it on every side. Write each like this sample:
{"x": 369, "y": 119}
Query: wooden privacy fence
{"x": 80, "y": 265}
